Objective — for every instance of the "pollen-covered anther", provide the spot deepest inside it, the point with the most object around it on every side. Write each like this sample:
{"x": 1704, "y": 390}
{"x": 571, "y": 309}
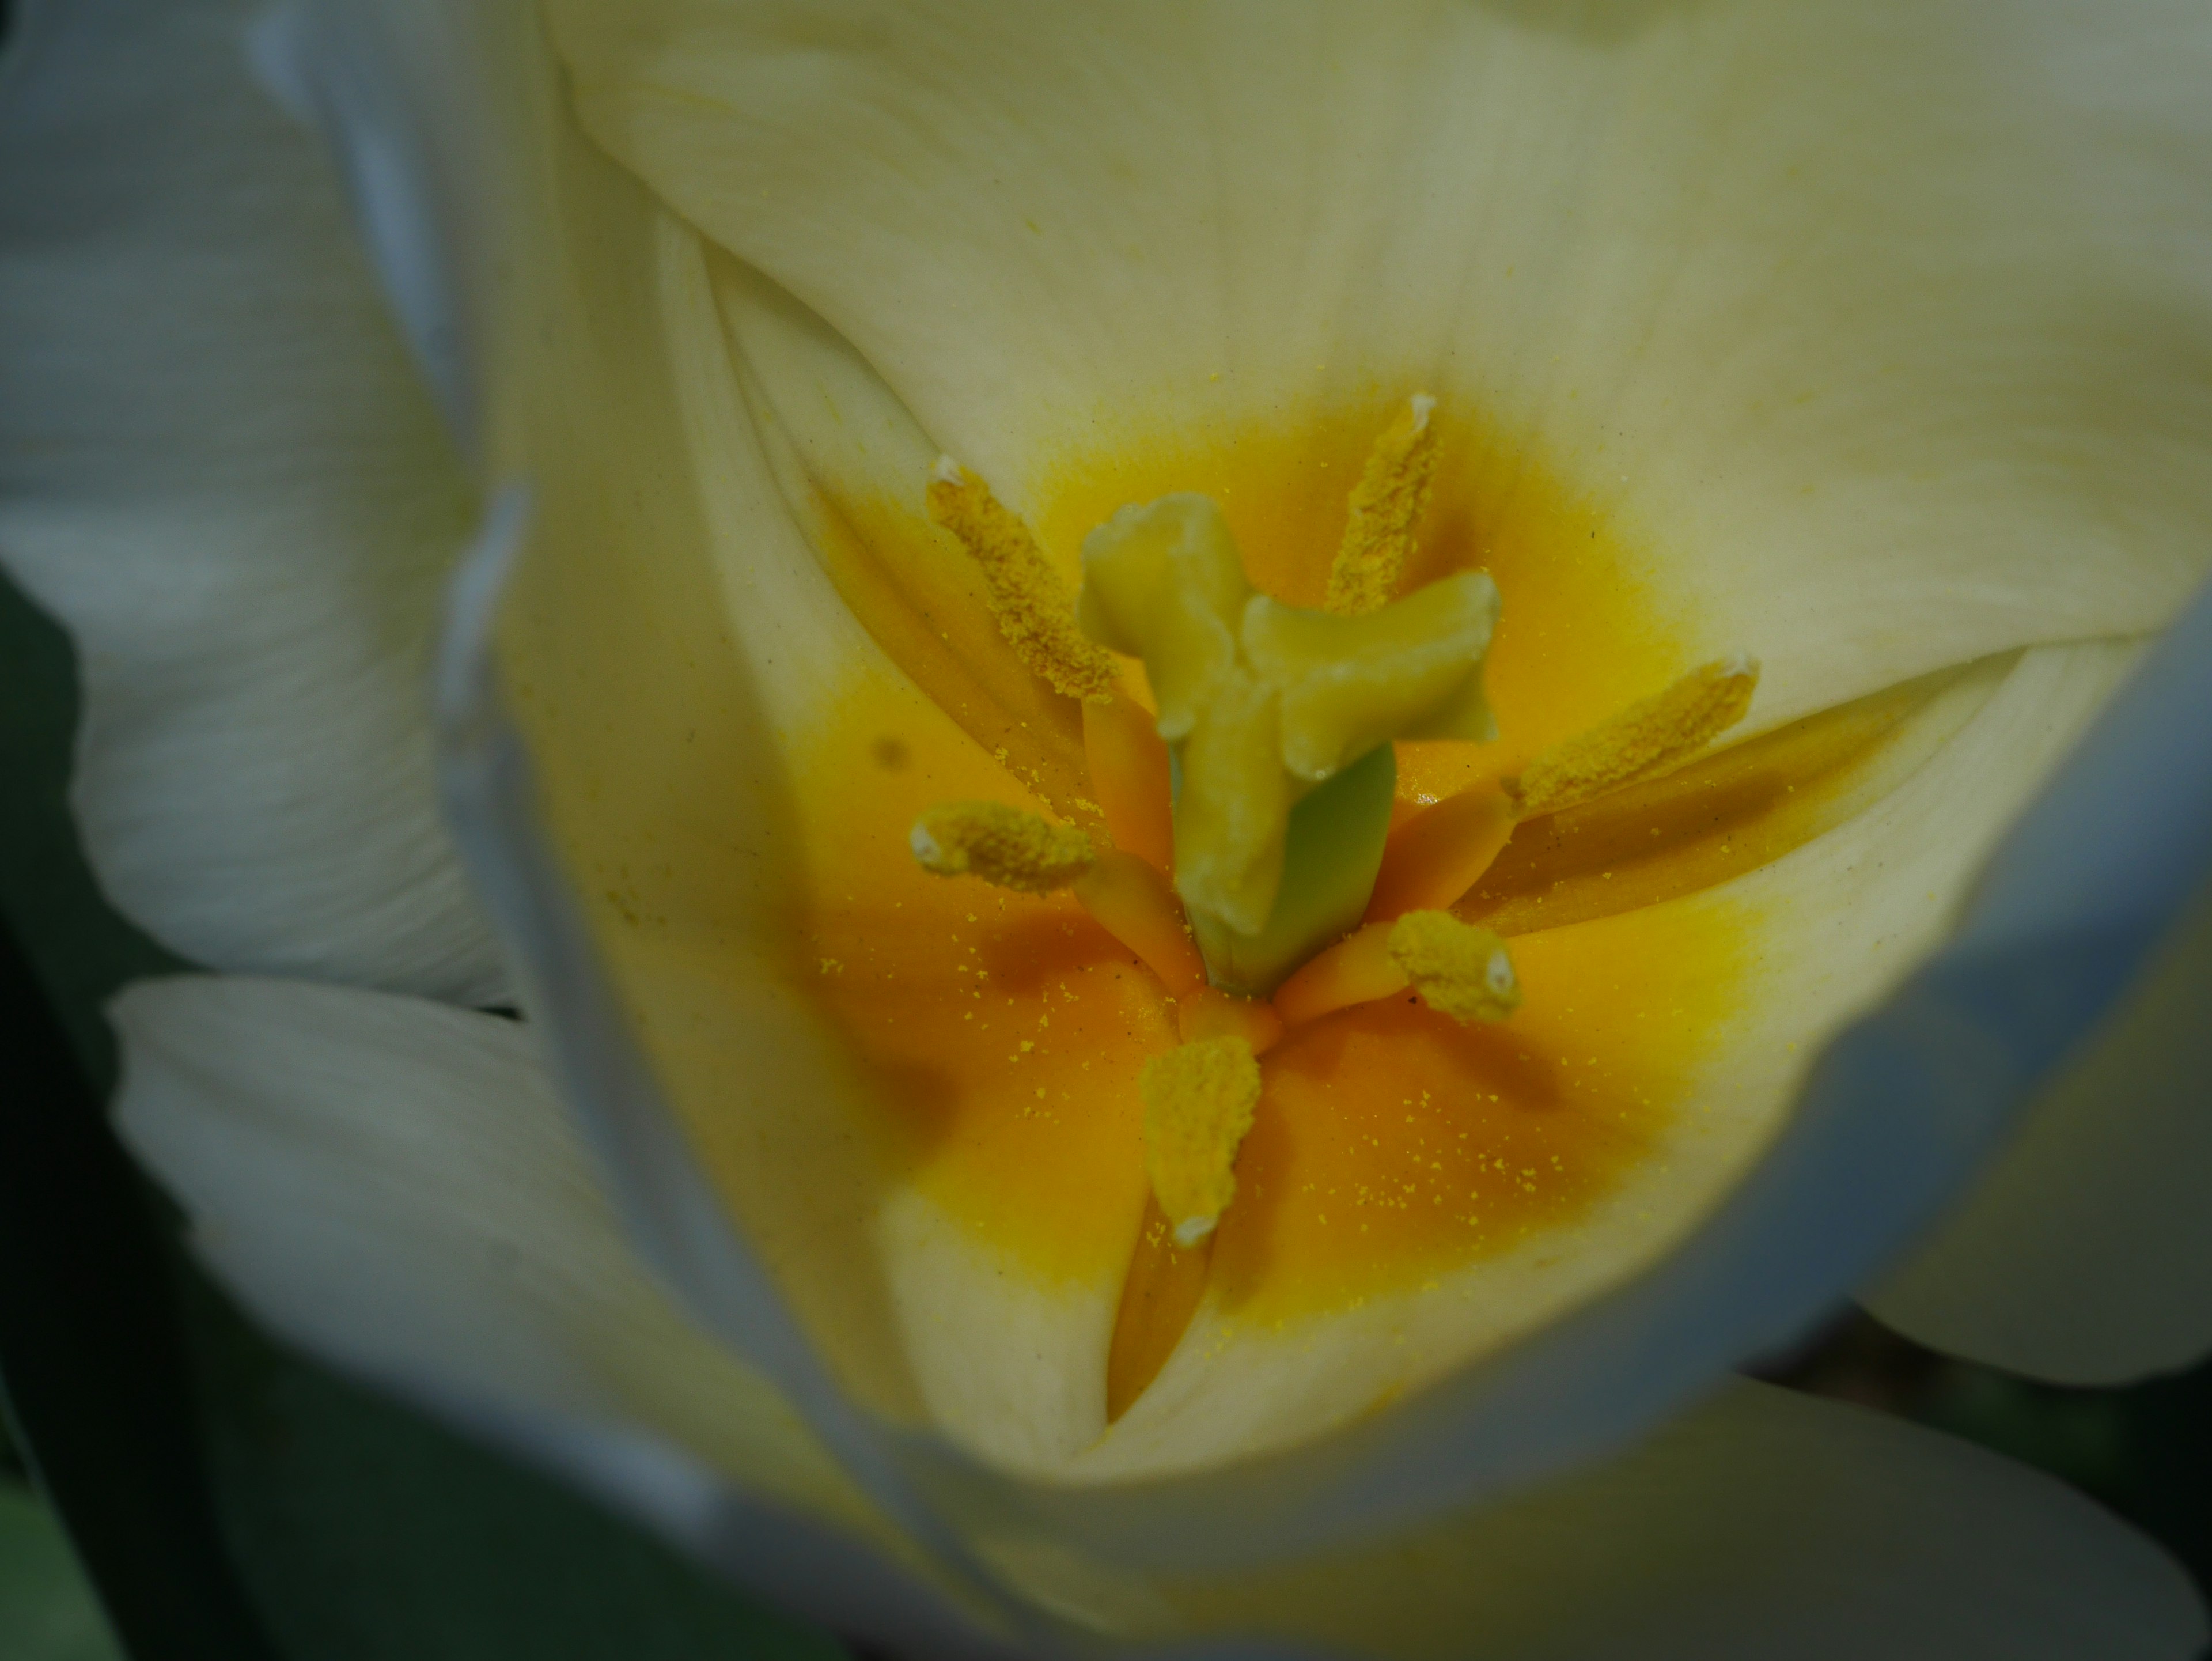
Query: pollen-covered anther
{"x": 1002, "y": 845}
{"x": 1199, "y": 1102}
{"x": 1386, "y": 510}
{"x": 1460, "y": 970}
{"x": 1034, "y": 611}
{"x": 1651, "y": 737}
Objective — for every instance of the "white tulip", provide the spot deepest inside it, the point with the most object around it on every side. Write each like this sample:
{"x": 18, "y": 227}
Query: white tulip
{"x": 1868, "y": 339}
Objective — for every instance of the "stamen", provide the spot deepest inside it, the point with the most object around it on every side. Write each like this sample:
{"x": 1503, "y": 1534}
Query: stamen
{"x": 1004, "y": 846}
{"x": 1199, "y": 1102}
{"x": 1436, "y": 855}
{"x": 1126, "y": 896}
{"x": 1034, "y": 611}
{"x": 1643, "y": 740}
{"x": 1129, "y": 776}
{"x": 1387, "y": 506}
{"x": 1459, "y": 970}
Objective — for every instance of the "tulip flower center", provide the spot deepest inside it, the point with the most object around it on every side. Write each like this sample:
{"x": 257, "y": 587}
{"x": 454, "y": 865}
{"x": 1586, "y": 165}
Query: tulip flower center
{"x": 1240, "y": 751}
{"x": 1211, "y": 1130}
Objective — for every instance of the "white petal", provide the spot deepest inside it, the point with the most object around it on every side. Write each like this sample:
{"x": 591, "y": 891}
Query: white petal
{"x": 219, "y": 469}
{"x": 1763, "y": 1526}
{"x": 1873, "y": 327}
{"x": 391, "y": 1183}
{"x": 2085, "y": 1256}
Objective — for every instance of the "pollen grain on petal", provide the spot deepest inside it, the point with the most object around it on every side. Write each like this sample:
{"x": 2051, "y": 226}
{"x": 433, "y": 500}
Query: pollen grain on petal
{"x": 1460, "y": 970}
{"x": 1004, "y": 846}
{"x": 1386, "y": 510}
{"x": 1198, "y": 1103}
{"x": 1033, "y": 611}
{"x": 1651, "y": 737}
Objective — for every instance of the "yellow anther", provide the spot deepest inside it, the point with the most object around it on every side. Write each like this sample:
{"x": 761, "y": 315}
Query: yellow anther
{"x": 1386, "y": 509}
{"x": 1459, "y": 970}
{"x": 1034, "y": 611}
{"x": 1648, "y": 738}
{"x": 1002, "y": 845}
{"x": 1199, "y": 1102}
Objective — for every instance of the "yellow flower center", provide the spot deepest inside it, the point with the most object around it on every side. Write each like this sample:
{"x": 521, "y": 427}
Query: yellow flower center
{"x": 1270, "y": 747}
{"x": 996, "y": 1040}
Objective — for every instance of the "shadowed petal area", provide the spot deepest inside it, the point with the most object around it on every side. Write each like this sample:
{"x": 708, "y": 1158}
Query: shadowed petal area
{"x": 389, "y": 1184}
{"x": 218, "y": 469}
{"x": 2083, "y": 1254}
{"x": 1764, "y": 1524}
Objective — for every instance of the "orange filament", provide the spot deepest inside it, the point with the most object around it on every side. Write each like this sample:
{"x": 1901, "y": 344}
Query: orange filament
{"x": 1131, "y": 900}
{"x": 1435, "y": 856}
{"x": 1128, "y": 765}
{"x": 1209, "y": 1013}
{"x": 1159, "y": 1295}
{"x": 1358, "y": 969}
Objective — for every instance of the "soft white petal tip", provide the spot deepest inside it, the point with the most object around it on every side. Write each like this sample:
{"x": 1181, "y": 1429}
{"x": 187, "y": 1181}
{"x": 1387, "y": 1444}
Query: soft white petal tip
{"x": 1423, "y": 403}
{"x": 947, "y": 471}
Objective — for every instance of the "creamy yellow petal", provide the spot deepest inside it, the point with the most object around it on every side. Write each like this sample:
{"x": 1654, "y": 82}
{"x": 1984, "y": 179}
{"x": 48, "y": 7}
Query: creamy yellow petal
{"x": 1879, "y": 351}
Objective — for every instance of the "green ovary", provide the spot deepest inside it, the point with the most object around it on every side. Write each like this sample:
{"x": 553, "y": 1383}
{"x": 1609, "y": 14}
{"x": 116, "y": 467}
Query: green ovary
{"x": 1279, "y": 722}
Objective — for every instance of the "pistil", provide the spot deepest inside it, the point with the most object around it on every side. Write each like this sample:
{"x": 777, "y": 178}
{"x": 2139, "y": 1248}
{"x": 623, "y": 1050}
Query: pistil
{"x": 1252, "y": 864}
{"x": 1278, "y": 724}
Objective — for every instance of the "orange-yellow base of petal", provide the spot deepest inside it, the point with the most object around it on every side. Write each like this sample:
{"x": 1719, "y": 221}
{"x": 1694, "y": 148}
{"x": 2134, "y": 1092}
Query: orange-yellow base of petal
{"x": 1391, "y": 1146}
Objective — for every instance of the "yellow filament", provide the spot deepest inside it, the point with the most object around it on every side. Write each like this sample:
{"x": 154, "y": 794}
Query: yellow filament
{"x": 1129, "y": 776}
{"x": 1130, "y": 899}
{"x": 1004, "y": 846}
{"x": 1206, "y": 1012}
{"x": 1358, "y": 969}
{"x": 1437, "y": 854}
{"x": 1034, "y": 612}
{"x": 1460, "y": 970}
{"x": 1198, "y": 1101}
{"x": 1647, "y": 738}
{"x": 1387, "y": 506}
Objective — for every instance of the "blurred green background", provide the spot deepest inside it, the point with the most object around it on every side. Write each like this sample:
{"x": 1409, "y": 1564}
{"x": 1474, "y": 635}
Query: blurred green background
{"x": 237, "y": 1502}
